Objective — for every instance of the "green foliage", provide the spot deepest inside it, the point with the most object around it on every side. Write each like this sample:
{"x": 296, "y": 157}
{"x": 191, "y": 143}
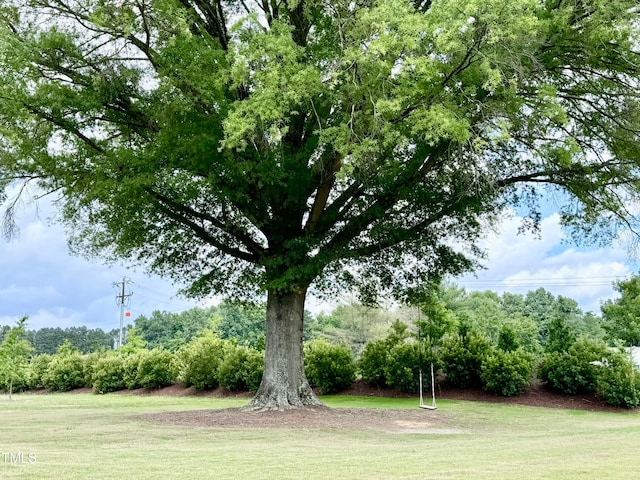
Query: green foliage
{"x": 398, "y": 333}
{"x": 155, "y": 369}
{"x": 372, "y": 363}
{"x": 197, "y": 363}
{"x": 507, "y": 373}
{"x": 374, "y": 359}
{"x": 131, "y": 368}
{"x": 530, "y": 316}
{"x": 403, "y": 366}
{"x": 39, "y": 365}
{"x": 619, "y": 382}
{"x": 352, "y": 324}
{"x": 571, "y": 371}
{"x": 133, "y": 342}
{"x": 622, "y": 315}
{"x": 507, "y": 341}
{"x": 405, "y": 361}
{"x": 172, "y": 330}
{"x": 242, "y": 321}
{"x": 89, "y": 367}
{"x": 65, "y": 370}
{"x": 15, "y": 350}
{"x": 108, "y": 373}
{"x": 435, "y": 320}
{"x": 526, "y": 332}
{"x": 560, "y": 336}
{"x": 241, "y": 369}
{"x": 48, "y": 339}
{"x": 329, "y": 367}
{"x": 462, "y": 357}
{"x": 66, "y": 348}
{"x": 480, "y": 311}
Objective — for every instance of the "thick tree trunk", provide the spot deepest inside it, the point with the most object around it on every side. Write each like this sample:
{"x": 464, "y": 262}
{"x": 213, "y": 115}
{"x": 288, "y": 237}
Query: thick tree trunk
{"x": 284, "y": 384}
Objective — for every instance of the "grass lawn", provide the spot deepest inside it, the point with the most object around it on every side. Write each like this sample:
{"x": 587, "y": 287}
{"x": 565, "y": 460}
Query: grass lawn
{"x": 84, "y": 436}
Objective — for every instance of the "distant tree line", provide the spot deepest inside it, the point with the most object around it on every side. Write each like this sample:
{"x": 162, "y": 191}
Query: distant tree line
{"x": 86, "y": 340}
{"x": 531, "y": 316}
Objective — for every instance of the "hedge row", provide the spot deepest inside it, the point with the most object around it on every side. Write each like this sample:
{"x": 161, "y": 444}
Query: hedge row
{"x": 469, "y": 360}
{"x": 466, "y": 359}
{"x": 205, "y": 363}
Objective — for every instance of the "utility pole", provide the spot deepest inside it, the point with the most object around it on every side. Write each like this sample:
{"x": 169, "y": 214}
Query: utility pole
{"x": 122, "y": 299}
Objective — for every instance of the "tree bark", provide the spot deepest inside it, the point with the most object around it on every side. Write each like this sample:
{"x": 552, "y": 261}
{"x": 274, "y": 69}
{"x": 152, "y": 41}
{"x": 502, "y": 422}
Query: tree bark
{"x": 284, "y": 384}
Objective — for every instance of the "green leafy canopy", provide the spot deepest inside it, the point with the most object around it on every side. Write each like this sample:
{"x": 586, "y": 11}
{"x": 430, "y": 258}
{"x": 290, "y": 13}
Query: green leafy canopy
{"x": 252, "y": 145}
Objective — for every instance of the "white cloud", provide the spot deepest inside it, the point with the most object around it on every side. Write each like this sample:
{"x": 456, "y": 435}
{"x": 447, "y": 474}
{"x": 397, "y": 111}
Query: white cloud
{"x": 521, "y": 262}
{"x": 39, "y": 278}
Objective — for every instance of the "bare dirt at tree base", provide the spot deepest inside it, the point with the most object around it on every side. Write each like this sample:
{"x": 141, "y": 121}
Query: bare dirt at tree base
{"x": 384, "y": 420}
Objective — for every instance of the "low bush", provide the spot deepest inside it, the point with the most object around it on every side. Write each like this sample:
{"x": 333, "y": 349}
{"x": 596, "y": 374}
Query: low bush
{"x": 329, "y": 367}
{"x": 404, "y": 364}
{"x": 197, "y": 363}
{"x": 65, "y": 372}
{"x": 131, "y": 366}
{"x": 462, "y": 357}
{"x": 372, "y": 362}
{"x": 374, "y": 358}
{"x": 90, "y": 361}
{"x": 155, "y": 369}
{"x": 507, "y": 373}
{"x": 16, "y": 384}
{"x": 241, "y": 368}
{"x": 571, "y": 371}
{"x": 619, "y": 382}
{"x": 108, "y": 373}
{"x": 39, "y": 365}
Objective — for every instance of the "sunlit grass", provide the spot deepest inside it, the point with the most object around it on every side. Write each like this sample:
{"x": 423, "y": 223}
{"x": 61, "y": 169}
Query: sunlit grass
{"x": 80, "y": 436}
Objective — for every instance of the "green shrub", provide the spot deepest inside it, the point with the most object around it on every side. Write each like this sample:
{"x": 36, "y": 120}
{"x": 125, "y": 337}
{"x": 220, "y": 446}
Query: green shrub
{"x": 197, "y": 363}
{"x": 39, "y": 365}
{"x": 108, "y": 373}
{"x": 241, "y": 368}
{"x": 560, "y": 337}
{"x": 329, "y": 367}
{"x": 619, "y": 382}
{"x": 155, "y": 369}
{"x": 571, "y": 372}
{"x": 90, "y": 361}
{"x": 16, "y": 384}
{"x": 131, "y": 366}
{"x": 507, "y": 373}
{"x": 404, "y": 363}
{"x": 372, "y": 362}
{"x": 462, "y": 357}
{"x": 507, "y": 340}
{"x": 65, "y": 372}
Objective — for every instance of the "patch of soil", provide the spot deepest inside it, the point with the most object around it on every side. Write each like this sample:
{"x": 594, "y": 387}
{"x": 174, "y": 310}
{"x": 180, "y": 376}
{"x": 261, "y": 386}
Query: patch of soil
{"x": 385, "y": 420}
{"x": 534, "y": 396}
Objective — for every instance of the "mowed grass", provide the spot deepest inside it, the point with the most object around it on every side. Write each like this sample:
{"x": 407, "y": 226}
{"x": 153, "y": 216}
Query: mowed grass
{"x": 84, "y": 436}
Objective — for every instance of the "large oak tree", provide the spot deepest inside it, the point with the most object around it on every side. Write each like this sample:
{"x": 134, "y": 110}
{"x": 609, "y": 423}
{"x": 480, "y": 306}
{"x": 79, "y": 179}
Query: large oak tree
{"x": 280, "y": 145}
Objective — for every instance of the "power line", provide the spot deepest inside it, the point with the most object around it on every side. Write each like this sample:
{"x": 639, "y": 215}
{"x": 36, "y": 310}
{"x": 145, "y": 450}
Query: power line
{"x": 592, "y": 281}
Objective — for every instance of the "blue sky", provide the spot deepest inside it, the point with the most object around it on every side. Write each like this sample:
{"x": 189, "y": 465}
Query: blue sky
{"x": 40, "y": 279}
